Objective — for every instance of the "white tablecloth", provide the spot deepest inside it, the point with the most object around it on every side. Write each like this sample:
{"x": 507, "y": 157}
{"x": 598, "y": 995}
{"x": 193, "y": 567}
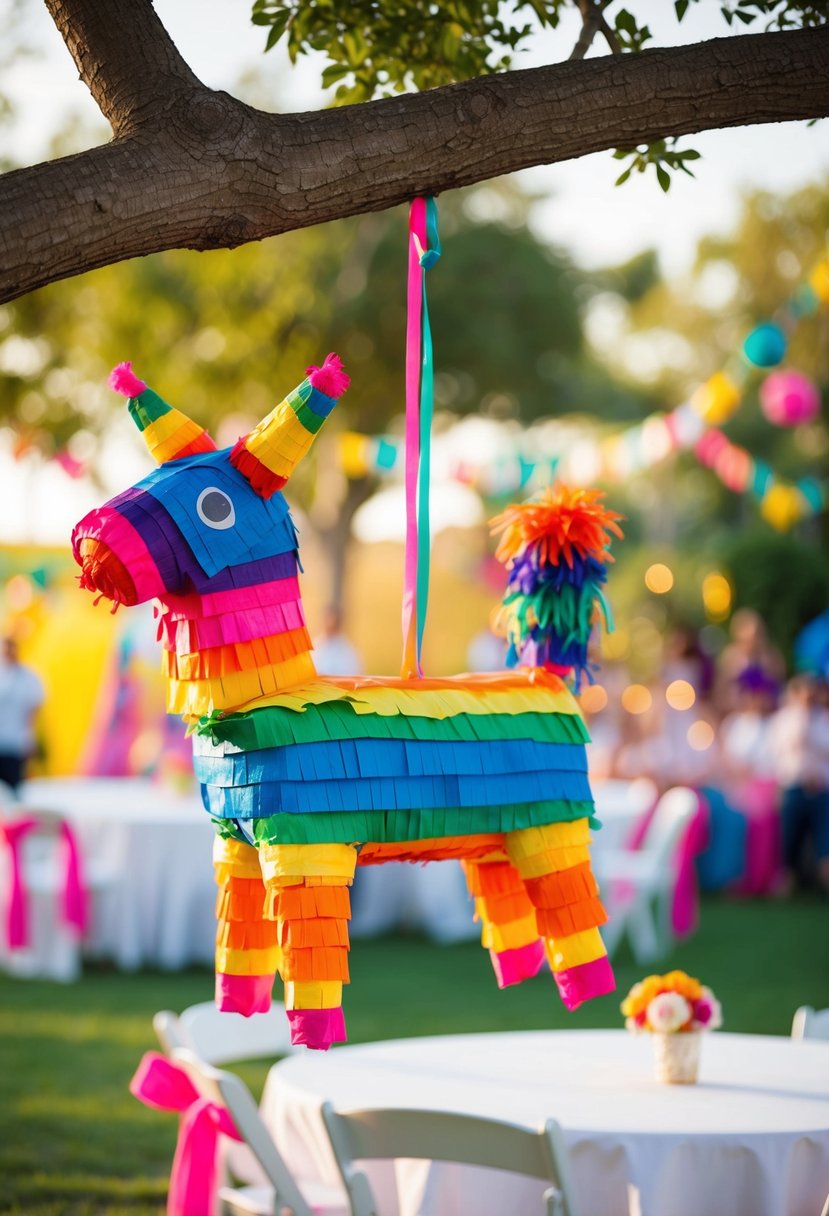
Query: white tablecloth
{"x": 750, "y": 1139}
{"x": 158, "y": 844}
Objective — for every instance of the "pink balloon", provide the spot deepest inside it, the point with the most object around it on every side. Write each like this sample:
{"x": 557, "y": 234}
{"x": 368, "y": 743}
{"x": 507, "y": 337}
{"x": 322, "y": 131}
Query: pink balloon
{"x": 789, "y": 398}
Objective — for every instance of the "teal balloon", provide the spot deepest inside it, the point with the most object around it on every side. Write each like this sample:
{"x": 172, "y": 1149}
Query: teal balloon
{"x": 765, "y": 346}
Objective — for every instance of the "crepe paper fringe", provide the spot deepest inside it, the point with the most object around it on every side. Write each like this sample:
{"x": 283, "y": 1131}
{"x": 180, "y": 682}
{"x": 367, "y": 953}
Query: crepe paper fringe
{"x": 583, "y": 983}
{"x": 361, "y": 759}
{"x": 128, "y": 544}
{"x": 514, "y": 966}
{"x": 482, "y": 693}
{"x": 186, "y": 636}
{"x": 244, "y": 994}
{"x": 337, "y": 721}
{"x": 511, "y": 935}
{"x": 216, "y": 662}
{"x": 565, "y": 887}
{"x": 306, "y": 862}
{"x": 556, "y": 547}
{"x": 169, "y": 434}
{"x": 317, "y": 1028}
{"x": 313, "y": 994}
{"x": 195, "y": 698}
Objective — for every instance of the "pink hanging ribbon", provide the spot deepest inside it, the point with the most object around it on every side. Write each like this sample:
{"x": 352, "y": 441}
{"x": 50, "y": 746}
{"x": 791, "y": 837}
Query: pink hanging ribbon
{"x": 164, "y": 1085}
{"x": 74, "y": 904}
{"x": 685, "y": 902}
{"x": 410, "y": 667}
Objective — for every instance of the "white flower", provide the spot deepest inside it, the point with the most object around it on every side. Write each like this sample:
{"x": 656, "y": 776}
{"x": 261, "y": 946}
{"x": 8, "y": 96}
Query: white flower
{"x": 667, "y": 1012}
{"x": 633, "y": 1026}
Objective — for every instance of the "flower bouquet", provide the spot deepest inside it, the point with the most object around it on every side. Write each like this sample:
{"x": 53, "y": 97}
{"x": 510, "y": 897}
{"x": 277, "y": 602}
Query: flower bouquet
{"x": 675, "y": 1009}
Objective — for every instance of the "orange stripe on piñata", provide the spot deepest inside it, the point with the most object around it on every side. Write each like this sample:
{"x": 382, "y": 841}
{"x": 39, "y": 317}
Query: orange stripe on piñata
{"x": 317, "y": 963}
{"x": 295, "y": 903}
{"x": 214, "y": 662}
{"x": 563, "y": 887}
{"x": 237, "y": 935}
{"x": 571, "y": 918}
{"x": 437, "y": 849}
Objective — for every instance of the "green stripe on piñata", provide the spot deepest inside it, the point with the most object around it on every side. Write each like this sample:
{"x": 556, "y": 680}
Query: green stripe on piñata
{"x": 275, "y": 727}
{"x": 385, "y": 827}
{"x": 297, "y": 401}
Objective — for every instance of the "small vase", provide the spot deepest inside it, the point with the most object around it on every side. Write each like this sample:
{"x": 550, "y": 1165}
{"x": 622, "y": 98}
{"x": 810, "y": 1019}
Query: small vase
{"x": 676, "y": 1057}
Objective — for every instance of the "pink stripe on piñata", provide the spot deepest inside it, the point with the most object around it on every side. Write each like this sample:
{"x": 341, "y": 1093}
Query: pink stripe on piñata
{"x": 317, "y": 1028}
{"x": 245, "y": 994}
{"x": 185, "y": 637}
{"x": 239, "y": 599}
{"x": 582, "y": 983}
{"x": 513, "y": 966}
{"x": 127, "y": 545}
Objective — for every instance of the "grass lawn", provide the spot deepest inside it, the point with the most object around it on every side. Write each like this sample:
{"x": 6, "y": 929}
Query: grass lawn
{"x": 73, "y": 1142}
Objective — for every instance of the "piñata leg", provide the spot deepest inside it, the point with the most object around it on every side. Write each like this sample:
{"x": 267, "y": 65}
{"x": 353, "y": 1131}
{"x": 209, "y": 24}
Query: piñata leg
{"x": 510, "y": 931}
{"x": 554, "y": 862}
{"x": 247, "y": 951}
{"x": 308, "y": 898}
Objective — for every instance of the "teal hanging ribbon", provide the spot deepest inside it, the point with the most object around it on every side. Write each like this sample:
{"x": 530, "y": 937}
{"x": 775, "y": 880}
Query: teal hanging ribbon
{"x": 424, "y": 251}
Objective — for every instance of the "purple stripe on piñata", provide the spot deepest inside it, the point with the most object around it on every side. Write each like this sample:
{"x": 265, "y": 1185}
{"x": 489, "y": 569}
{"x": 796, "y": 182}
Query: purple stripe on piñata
{"x": 174, "y": 558}
{"x": 582, "y": 983}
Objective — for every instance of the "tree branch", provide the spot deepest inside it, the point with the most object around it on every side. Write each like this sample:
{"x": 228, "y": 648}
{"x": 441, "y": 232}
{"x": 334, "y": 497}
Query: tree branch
{"x": 201, "y": 170}
{"x": 125, "y": 58}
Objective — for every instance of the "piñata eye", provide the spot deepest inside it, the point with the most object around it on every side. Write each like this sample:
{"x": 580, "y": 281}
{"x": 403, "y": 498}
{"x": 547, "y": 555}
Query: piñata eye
{"x": 215, "y": 508}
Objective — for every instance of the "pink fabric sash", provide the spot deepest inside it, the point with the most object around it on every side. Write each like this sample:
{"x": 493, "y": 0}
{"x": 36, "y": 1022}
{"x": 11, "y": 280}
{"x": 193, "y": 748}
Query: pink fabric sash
{"x": 164, "y": 1085}
{"x": 74, "y": 903}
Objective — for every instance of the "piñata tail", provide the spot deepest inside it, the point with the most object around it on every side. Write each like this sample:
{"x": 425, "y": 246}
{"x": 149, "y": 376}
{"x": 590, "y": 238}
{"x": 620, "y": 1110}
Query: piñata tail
{"x": 556, "y": 547}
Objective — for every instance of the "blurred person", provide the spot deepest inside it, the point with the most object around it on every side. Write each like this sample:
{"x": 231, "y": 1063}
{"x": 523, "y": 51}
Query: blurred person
{"x": 334, "y": 654}
{"x": 748, "y": 776}
{"x": 749, "y": 647}
{"x": 799, "y": 743}
{"x": 21, "y": 696}
{"x": 686, "y": 659}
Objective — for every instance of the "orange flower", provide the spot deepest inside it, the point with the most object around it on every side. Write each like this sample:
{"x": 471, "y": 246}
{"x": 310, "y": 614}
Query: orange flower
{"x": 560, "y": 520}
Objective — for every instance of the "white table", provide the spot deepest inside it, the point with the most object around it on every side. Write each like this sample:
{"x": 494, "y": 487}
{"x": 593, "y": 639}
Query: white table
{"x": 750, "y": 1139}
{"x": 158, "y": 843}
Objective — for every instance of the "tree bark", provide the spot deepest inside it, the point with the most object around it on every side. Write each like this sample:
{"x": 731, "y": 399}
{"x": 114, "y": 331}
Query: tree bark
{"x": 191, "y": 167}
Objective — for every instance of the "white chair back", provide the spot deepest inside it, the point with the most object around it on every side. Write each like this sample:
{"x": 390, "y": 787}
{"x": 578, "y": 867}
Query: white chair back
{"x": 230, "y": 1092}
{"x": 810, "y": 1023}
{"x": 225, "y": 1038}
{"x": 673, "y": 813}
{"x": 443, "y": 1136}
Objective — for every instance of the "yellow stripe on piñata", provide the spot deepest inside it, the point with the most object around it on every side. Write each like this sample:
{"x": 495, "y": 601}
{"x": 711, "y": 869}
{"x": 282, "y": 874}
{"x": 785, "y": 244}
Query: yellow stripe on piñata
{"x": 248, "y": 962}
{"x": 519, "y": 693}
{"x": 195, "y": 698}
{"x": 313, "y": 994}
{"x": 510, "y": 936}
{"x": 308, "y": 861}
{"x": 528, "y": 842}
{"x": 280, "y": 441}
{"x": 239, "y": 860}
{"x": 552, "y": 860}
{"x": 565, "y": 952}
{"x": 170, "y": 433}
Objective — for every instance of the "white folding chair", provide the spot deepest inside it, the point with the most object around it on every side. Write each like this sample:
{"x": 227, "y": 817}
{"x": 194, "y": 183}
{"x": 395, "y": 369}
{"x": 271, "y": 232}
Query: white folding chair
{"x": 442, "y": 1136}
{"x": 809, "y": 1023}
{"x": 638, "y": 884}
{"x": 282, "y": 1191}
{"x": 54, "y": 949}
{"x": 225, "y": 1038}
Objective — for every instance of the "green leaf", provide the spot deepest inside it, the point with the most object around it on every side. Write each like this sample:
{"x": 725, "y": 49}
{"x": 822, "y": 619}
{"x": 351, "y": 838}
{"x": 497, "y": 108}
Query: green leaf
{"x": 681, "y": 7}
{"x": 333, "y": 73}
{"x": 626, "y": 21}
{"x": 622, "y": 178}
{"x": 663, "y": 177}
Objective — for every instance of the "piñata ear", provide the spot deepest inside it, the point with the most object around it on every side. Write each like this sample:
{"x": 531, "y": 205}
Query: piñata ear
{"x": 556, "y": 548}
{"x": 168, "y": 433}
{"x": 268, "y": 455}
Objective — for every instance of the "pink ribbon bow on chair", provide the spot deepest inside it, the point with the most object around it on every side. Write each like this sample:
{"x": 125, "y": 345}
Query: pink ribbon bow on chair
{"x": 74, "y": 902}
{"x": 160, "y": 1083}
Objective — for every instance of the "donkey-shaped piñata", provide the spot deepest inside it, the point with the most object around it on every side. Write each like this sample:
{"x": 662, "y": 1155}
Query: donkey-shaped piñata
{"x": 307, "y": 777}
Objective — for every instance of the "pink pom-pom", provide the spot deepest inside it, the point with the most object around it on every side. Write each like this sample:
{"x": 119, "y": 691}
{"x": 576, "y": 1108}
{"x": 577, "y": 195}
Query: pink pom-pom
{"x": 330, "y": 379}
{"x": 123, "y": 380}
{"x": 789, "y": 398}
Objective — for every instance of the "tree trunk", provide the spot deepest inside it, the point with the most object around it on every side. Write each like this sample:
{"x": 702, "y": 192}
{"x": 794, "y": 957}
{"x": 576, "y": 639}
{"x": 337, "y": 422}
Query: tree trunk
{"x": 194, "y": 168}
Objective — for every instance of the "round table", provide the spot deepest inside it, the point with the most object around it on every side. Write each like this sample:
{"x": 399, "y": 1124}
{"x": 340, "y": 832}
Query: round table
{"x": 750, "y": 1139}
{"x": 157, "y": 845}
